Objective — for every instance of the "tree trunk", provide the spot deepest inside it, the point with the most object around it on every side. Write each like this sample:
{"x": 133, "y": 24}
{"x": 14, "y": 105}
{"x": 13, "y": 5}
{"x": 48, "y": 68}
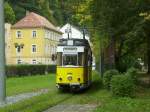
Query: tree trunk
{"x": 101, "y": 59}
{"x": 118, "y": 55}
{"x": 113, "y": 53}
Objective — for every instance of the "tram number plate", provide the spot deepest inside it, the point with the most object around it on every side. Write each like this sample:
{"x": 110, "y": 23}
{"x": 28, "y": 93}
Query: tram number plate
{"x": 75, "y": 84}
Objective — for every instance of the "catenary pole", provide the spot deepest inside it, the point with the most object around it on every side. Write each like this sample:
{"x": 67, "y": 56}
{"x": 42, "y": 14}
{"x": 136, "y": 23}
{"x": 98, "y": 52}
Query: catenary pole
{"x": 2, "y": 55}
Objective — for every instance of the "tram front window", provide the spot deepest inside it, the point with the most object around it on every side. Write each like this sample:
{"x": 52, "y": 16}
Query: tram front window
{"x": 70, "y": 59}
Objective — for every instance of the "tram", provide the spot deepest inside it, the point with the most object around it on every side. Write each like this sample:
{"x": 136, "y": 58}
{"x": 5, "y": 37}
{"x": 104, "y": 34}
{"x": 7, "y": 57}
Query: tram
{"x": 74, "y": 64}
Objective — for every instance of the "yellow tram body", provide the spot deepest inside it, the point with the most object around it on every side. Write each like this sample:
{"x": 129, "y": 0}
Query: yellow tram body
{"x": 77, "y": 73}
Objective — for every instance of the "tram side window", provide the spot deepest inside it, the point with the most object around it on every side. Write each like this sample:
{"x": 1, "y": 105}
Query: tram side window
{"x": 86, "y": 58}
{"x": 59, "y": 59}
{"x": 81, "y": 59}
{"x": 69, "y": 59}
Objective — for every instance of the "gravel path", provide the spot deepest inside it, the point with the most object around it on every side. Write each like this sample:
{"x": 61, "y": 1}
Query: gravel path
{"x": 20, "y": 97}
{"x": 72, "y": 108}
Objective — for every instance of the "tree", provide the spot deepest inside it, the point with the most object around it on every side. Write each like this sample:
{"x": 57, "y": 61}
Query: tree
{"x": 119, "y": 22}
{"x": 9, "y": 13}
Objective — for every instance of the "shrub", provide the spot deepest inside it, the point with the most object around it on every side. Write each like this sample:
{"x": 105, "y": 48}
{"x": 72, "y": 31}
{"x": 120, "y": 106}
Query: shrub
{"x": 97, "y": 82}
{"x": 24, "y": 70}
{"x": 108, "y": 76}
{"x": 123, "y": 86}
{"x": 132, "y": 72}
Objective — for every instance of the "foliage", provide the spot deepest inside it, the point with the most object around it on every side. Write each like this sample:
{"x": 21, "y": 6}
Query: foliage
{"x": 97, "y": 80}
{"x": 56, "y": 11}
{"x": 82, "y": 16}
{"x": 108, "y": 76}
{"x": 132, "y": 72}
{"x": 128, "y": 62}
{"x": 124, "y": 22}
{"x": 24, "y": 70}
{"x": 9, "y": 13}
{"x": 122, "y": 86}
{"x": 119, "y": 20}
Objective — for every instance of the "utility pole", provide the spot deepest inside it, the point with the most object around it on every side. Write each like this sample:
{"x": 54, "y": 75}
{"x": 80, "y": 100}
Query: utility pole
{"x": 83, "y": 32}
{"x": 2, "y": 55}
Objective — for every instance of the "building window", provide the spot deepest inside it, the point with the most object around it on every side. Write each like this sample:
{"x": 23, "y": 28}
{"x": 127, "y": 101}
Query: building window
{"x": 34, "y": 48}
{"x": 49, "y": 35}
{"x": 34, "y": 34}
{"x": 33, "y": 61}
{"x": 19, "y": 61}
{"x": 19, "y": 34}
{"x": 18, "y": 49}
{"x": 46, "y": 34}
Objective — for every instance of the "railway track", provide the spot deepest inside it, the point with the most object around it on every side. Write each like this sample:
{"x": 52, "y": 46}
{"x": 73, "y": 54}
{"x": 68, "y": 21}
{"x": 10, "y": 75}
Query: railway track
{"x": 72, "y": 108}
{"x": 64, "y": 106}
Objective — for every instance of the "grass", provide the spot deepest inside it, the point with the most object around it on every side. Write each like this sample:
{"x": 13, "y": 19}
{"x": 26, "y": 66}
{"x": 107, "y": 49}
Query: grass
{"x": 37, "y": 103}
{"x": 96, "y": 94}
{"x": 27, "y": 84}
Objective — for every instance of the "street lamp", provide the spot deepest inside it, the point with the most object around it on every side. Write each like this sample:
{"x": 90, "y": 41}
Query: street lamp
{"x": 2, "y": 55}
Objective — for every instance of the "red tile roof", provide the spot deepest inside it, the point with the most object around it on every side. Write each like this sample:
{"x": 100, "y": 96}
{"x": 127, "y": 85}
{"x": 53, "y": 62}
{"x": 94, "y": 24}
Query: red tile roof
{"x": 33, "y": 20}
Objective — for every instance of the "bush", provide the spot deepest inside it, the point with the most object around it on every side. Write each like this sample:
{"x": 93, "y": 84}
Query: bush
{"x": 24, "y": 70}
{"x": 97, "y": 81}
{"x": 123, "y": 86}
{"x": 108, "y": 76}
{"x": 132, "y": 72}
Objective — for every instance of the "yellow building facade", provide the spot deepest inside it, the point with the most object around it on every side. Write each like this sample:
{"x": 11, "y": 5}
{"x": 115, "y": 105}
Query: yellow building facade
{"x": 33, "y": 41}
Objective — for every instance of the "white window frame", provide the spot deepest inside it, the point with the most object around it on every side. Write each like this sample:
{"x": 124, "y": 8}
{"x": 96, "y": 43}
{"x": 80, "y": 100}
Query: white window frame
{"x": 34, "y": 61}
{"x": 17, "y": 34}
{"x": 17, "y": 50}
{"x": 19, "y": 62}
{"x": 35, "y": 48}
{"x": 34, "y": 34}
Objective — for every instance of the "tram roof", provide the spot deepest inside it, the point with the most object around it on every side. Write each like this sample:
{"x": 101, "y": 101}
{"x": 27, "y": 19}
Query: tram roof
{"x": 76, "y": 42}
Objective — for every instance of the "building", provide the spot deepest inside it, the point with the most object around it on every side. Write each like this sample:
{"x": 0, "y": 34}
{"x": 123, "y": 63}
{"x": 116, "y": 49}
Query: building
{"x": 73, "y": 32}
{"x": 33, "y": 41}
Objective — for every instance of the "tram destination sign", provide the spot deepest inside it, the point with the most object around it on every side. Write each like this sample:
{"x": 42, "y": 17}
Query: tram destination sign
{"x": 70, "y": 49}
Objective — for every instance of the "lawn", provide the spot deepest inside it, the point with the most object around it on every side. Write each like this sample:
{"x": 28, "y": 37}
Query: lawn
{"x": 96, "y": 94}
{"x": 29, "y": 84}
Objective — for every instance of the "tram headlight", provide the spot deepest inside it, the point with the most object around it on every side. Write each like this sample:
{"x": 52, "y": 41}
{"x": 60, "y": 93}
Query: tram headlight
{"x": 78, "y": 79}
{"x": 60, "y": 79}
{"x": 69, "y": 78}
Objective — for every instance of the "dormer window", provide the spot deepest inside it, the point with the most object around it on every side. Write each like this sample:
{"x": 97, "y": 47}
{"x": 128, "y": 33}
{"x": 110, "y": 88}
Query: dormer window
{"x": 19, "y": 34}
{"x": 34, "y": 34}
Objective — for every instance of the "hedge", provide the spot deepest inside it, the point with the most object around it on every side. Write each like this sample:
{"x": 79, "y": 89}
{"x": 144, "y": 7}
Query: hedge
{"x": 122, "y": 86}
{"x": 24, "y": 70}
{"x": 108, "y": 76}
{"x": 133, "y": 73}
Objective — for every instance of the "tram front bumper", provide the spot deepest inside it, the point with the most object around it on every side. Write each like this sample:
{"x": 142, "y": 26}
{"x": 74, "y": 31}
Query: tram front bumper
{"x": 71, "y": 85}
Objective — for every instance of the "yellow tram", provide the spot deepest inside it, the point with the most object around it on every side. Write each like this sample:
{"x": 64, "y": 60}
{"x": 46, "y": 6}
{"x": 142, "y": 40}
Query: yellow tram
{"x": 74, "y": 64}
